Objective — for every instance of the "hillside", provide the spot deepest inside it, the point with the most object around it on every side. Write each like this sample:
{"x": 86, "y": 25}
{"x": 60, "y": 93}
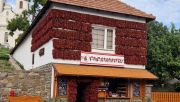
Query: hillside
{"x": 4, "y": 57}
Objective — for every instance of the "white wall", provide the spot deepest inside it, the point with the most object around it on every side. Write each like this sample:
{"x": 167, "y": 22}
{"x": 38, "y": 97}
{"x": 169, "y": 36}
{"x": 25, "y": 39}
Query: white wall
{"x": 25, "y": 6}
{"x": 2, "y": 34}
{"x": 11, "y": 39}
{"x": 46, "y": 58}
{"x": 23, "y": 53}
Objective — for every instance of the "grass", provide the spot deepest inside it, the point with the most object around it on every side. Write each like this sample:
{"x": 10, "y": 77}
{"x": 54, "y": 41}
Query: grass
{"x": 4, "y": 57}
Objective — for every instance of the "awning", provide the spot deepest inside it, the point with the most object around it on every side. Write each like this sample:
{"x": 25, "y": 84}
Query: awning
{"x": 111, "y": 72}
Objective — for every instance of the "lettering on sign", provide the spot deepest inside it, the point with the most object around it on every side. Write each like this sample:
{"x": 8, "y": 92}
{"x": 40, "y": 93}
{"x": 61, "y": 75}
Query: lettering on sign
{"x": 102, "y": 59}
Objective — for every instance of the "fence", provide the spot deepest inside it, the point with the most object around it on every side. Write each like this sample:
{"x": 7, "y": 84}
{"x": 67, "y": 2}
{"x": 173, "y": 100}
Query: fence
{"x": 166, "y": 96}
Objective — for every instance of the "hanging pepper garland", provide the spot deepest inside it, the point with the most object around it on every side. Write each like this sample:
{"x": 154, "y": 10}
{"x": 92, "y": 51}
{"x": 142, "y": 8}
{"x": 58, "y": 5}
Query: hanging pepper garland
{"x": 65, "y": 34}
{"x": 139, "y": 60}
{"x": 91, "y": 93}
{"x": 131, "y": 42}
{"x": 138, "y": 34}
{"x": 72, "y": 90}
{"x": 66, "y": 54}
{"x": 73, "y": 31}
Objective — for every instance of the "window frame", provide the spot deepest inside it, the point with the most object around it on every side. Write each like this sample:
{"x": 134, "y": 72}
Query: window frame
{"x": 21, "y": 4}
{"x": 33, "y": 59}
{"x": 105, "y": 28}
{"x": 56, "y": 88}
{"x": 6, "y": 37}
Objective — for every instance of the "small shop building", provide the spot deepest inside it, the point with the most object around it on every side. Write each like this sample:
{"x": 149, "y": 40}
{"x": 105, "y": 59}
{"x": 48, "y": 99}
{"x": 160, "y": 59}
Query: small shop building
{"x": 97, "y": 49}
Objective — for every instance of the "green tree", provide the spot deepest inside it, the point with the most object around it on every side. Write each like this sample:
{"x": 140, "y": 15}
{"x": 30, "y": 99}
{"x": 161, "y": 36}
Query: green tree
{"x": 22, "y": 22}
{"x": 163, "y": 51}
{"x": 36, "y": 7}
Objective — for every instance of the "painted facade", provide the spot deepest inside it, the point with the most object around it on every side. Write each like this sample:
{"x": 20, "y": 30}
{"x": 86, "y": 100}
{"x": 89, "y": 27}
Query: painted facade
{"x": 48, "y": 56}
{"x": 64, "y": 35}
{"x": 6, "y": 14}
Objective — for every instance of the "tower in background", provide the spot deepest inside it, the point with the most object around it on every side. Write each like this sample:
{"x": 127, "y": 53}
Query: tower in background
{"x": 6, "y": 14}
{"x": 2, "y": 3}
{"x": 21, "y": 5}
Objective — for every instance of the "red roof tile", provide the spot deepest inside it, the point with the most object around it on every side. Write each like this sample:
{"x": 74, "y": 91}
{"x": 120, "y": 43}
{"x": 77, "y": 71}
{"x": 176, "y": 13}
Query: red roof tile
{"x": 116, "y": 6}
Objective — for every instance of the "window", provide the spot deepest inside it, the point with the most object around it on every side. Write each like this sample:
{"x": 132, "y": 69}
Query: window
{"x": 103, "y": 38}
{"x": 33, "y": 58}
{"x": 6, "y": 37}
{"x": 21, "y": 5}
{"x": 7, "y": 13}
{"x": 62, "y": 86}
{"x": 115, "y": 87}
{"x": 41, "y": 52}
{"x": 136, "y": 88}
{"x": 109, "y": 39}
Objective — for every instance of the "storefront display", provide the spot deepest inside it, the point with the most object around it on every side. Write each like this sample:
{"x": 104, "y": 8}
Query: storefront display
{"x": 84, "y": 88}
{"x": 116, "y": 88}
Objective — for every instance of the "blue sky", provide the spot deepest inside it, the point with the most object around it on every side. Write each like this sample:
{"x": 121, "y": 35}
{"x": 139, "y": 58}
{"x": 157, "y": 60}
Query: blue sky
{"x": 11, "y": 2}
{"x": 166, "y": 11}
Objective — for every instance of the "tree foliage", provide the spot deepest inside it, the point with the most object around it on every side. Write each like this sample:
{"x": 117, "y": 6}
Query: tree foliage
{"x": 36, "y": 7}
{"x": 22, "y": 22}
{"x": 164, "y": 51}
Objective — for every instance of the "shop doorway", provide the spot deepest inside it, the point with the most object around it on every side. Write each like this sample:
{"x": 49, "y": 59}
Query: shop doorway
{"x": 81, "y": 90}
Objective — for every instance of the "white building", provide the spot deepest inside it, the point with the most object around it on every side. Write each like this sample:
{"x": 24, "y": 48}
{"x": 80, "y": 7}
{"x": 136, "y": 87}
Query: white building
{"x": 26, "y": 44}
{"x": 6, "y": 14}
{"x": 88, "y": 43}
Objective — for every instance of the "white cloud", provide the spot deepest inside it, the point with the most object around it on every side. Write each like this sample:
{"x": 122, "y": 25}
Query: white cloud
{"x": 166, "y": 11}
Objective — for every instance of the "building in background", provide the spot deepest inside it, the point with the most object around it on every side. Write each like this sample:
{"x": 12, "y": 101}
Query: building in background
{"x": 6, "y": 14}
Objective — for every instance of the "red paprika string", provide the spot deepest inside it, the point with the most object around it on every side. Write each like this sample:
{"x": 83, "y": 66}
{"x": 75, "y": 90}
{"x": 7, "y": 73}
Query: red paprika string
{"x": 76, "y": 34}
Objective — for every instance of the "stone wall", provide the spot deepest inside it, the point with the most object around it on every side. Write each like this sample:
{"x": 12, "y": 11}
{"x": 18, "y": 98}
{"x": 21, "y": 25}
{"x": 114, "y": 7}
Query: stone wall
{"x": 35, "y": 82}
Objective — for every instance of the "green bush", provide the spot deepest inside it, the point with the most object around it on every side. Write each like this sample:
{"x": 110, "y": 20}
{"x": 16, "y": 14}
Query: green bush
{"x": 177, "y": 87}
{"x": 4, "y": 54}
{"x": 4, "y": 57}
{"x": 4, "y": 50}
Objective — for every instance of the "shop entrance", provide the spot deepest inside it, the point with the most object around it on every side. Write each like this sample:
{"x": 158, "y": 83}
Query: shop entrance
{"x": 81, "y": 90}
